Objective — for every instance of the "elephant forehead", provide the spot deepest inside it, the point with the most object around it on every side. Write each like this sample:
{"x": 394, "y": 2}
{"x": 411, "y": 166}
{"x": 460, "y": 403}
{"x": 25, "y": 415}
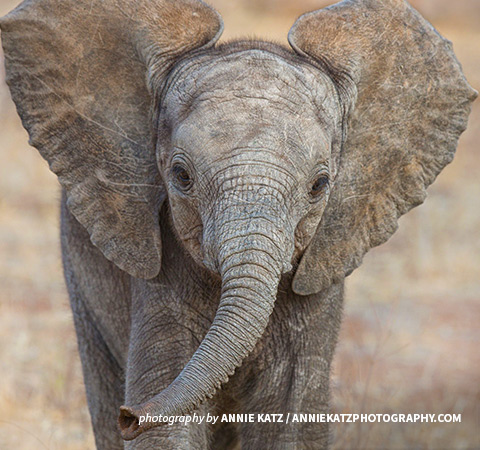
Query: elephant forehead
{"x": 246, "y": 81}
{"x": 252, "y": 99}
{"x": 208, "y": 133}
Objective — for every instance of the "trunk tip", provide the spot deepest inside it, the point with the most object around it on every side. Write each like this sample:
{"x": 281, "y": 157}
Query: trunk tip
{"x": 129, "y": 423}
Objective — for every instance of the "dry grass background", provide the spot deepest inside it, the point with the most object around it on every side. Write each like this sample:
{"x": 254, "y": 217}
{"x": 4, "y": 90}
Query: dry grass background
{"x": 410, "y": 338}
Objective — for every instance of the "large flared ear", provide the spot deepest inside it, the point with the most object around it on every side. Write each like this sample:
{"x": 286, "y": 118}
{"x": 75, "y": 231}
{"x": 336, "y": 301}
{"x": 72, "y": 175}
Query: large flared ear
{"x": 82, "y": 74}
{"x": 405, "y": 101}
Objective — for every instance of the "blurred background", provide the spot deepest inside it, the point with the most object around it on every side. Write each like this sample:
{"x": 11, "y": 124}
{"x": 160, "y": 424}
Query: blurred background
{"x": 410, "y": 337}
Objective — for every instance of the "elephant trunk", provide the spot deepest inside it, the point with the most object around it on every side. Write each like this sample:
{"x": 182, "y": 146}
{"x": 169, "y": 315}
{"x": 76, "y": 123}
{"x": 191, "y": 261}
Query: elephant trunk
{"x": 251, "y": 259}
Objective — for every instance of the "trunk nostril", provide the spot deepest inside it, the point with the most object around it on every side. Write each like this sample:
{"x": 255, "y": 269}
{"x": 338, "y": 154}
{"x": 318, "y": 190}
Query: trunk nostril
{"x": 129, "y": 423}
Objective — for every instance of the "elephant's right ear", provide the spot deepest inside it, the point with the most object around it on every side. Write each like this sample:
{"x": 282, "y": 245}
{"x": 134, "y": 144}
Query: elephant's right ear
{"x": 82, "y": 74}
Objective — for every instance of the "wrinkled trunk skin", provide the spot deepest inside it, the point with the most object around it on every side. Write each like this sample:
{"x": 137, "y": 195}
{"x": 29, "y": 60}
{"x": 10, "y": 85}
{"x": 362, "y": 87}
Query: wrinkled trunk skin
{"x": 251, "y": 255}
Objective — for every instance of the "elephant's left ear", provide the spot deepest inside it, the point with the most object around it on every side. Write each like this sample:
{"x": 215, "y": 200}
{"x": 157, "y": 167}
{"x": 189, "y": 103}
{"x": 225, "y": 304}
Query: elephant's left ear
{"x": 406, "y": 102}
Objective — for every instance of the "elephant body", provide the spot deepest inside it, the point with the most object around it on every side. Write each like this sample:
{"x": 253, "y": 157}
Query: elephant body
{"x": 288, "y": 371}
{"x": 215, "y": 197}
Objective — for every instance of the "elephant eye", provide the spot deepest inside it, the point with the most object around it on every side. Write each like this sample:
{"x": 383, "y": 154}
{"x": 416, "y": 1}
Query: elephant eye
{"x": 182, "y": 177}
{"x": 319, "y": 185}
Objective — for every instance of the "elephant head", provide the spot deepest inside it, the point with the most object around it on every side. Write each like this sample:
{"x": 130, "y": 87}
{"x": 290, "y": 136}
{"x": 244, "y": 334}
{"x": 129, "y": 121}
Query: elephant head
{"x": 272, "y": 161}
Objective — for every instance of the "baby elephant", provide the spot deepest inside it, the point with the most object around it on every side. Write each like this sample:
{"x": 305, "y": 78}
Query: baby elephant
{"x": 215, "y": 197}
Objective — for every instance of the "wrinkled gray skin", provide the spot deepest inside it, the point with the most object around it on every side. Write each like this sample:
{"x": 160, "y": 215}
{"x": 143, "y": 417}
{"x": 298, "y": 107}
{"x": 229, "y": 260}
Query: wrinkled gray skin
{"x": 215, "y": 197}
{"x": 251, "y": 191}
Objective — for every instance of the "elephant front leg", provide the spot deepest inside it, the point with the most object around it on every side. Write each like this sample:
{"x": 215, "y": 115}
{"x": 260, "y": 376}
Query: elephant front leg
{"x": 291, "y": 374}
{"x": 161, "y": 343}
{"x": 297, "y": 386}
{"x": 99, "y": 296}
